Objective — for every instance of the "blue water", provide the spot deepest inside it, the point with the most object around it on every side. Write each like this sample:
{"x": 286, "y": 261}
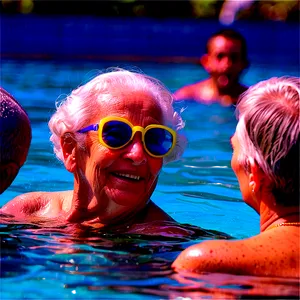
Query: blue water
{"x": 200, "y": 190}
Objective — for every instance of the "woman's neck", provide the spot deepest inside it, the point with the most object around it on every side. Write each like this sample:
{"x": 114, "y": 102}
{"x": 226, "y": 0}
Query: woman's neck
{"x": 272, "y": 213}
{"x": 122, "y": 220}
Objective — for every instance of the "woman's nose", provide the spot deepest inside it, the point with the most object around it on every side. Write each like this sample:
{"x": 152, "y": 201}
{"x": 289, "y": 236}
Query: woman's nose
{"x": 135, "y": 151}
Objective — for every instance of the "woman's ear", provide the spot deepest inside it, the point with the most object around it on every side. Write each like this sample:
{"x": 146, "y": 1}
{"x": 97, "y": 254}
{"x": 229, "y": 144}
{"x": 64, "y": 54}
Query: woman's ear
{"x": 254, "y": 175}
{"x": 68, "y": 145}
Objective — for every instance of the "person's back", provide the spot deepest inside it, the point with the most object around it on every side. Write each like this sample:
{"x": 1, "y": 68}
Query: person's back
{"x": 266, "y": 162}
{"x": 225, "y": 60}
{"x": 15, "y": 138}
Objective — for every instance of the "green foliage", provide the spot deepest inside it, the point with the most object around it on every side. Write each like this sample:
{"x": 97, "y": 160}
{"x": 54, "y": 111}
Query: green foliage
{"x": 278, "y": 10}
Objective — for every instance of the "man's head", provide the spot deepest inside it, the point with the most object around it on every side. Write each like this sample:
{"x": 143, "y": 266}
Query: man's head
{"x": 15, "y": 138}
{"x": 225, "y": 58}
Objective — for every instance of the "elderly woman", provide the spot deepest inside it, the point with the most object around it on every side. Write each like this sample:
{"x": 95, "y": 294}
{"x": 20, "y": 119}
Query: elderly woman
{"x": 266, "y": 162}
{"x": 114, "y": 134}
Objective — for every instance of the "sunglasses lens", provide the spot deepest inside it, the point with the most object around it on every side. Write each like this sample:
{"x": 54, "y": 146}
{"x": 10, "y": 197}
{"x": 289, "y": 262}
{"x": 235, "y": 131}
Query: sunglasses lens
{"x": 116, "y": 133}
{"x": 158, "y": 141}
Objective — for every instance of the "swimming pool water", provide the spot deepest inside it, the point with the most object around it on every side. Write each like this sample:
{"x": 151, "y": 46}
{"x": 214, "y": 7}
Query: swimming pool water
{"x": 200, "y": 190}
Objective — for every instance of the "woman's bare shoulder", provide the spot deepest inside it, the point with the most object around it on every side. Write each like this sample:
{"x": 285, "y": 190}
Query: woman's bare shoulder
{"x": 155, "y": 213}
{"x": 34, "y": 202}
{"x": 263, "y": 254}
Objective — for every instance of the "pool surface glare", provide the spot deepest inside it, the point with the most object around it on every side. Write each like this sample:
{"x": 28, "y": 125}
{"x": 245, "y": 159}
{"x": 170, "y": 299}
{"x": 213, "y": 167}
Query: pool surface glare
{"x": 51, "y": 261}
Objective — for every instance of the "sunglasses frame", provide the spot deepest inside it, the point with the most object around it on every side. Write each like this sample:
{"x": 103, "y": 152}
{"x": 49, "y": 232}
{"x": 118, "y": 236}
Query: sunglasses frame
{"x": 99, "y": 127}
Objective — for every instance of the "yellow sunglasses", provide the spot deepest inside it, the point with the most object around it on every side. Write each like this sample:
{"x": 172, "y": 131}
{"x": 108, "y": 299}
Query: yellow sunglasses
{"x": 117, "y": 132}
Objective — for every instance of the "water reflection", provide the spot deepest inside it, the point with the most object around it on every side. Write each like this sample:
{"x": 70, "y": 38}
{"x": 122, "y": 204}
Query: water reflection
{"x": 134, "y": 259}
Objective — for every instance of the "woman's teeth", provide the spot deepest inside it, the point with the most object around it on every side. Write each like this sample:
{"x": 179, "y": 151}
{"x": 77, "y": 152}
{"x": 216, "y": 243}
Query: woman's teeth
{"x": 128, "y": 176}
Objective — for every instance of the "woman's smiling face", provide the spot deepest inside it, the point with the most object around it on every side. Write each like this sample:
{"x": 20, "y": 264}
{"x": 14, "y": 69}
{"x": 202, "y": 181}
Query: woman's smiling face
{"x": 127, "y": 176}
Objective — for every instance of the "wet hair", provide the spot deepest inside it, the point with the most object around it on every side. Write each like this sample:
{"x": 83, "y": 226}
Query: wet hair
{"x": 230, "y": 34}
{"x": 85, "y": 102}
{"x": 15, "y": 130}
{"x": 269, "y": 131}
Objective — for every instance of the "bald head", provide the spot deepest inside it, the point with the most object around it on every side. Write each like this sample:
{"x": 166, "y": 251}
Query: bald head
{"x": 15, "y": 138}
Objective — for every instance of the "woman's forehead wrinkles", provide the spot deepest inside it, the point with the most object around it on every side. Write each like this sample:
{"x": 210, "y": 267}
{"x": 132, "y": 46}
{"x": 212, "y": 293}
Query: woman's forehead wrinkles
{"x": 137, "y": 107}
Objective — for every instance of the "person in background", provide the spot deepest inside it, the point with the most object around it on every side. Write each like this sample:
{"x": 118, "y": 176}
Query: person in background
{"x": 225, "y": 60}
{"x": 15, "y": 138}
{"x": 231, "y": 8}
{"x": 114, "y": 134}
{"x": 266, "y": 162}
